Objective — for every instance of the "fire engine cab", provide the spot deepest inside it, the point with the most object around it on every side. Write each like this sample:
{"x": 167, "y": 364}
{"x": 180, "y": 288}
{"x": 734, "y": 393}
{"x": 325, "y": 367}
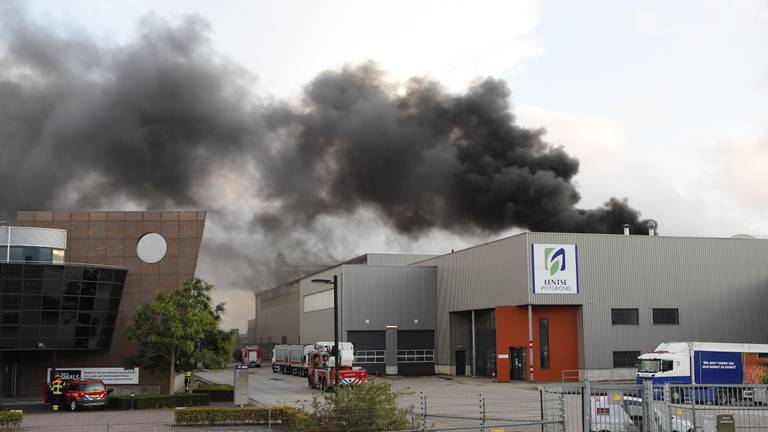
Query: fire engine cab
{"x": 322, "y": 372}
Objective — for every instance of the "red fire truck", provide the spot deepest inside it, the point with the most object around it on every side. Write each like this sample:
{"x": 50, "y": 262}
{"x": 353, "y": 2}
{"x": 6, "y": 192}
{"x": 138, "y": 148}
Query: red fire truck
{"x": 251, "y": 356}
{"x": 322, "y": 373}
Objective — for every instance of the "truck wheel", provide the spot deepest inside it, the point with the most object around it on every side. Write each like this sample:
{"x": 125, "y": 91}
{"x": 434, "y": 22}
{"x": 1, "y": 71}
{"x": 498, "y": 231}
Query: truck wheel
{"x": 73, "y": 405}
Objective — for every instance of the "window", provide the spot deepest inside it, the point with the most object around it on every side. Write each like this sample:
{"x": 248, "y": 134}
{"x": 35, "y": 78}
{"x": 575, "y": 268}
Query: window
{"x": 666, "y": 316}
{"x": 544, "y": 343}
{"x": 625, "y": 317}
{"x": 625, "y": 359}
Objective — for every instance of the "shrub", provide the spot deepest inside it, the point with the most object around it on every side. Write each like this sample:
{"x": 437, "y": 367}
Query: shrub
{"x": 370, "y": 406}
{"x": 217, "y": 392}
{"x": 11, "y": 420}
{"x": 286, "y": 415}
{"x": 158, "y": 400}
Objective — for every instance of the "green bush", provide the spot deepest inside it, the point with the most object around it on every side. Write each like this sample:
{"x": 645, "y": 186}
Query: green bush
{"x": 367, "y": 407}
{"x": 159, "y": 400}
{"x": 217, "y": 392}
{"x": 286, "y": 415}
{"x": 10, "y": 420}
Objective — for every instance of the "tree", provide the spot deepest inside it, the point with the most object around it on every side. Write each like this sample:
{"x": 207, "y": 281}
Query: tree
{"x": 179, "y": 329}
{"x": 370, "y": 406}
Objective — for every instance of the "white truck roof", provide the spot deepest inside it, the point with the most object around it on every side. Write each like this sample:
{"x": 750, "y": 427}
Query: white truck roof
{"x": 680, "y": 347}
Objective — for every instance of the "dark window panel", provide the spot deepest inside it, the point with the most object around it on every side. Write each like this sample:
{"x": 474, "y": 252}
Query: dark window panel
{"x": 68, "y": 318}
{"x": 114, "y": 304}
{"x": 28, "y": 331}
{"x": 84, "y": 319}
{"x": 666, "y": 316}
{"x": 89, "y": 289}
{"x": 104, "y": 290}
{"x": 625, "y": 317}
{"x": 50, "y": 318}
{"x": 104, "y": 343}
{"x": 46, "y": 332}
{"x": 33, "y": 271}
{"x": 111, "y": 318}
{"x": 12, "y": 286}
{"x": 82, "y": 331}
{"x": 74, "y": 273}
{"x": 51, "y": 302}
{"x": 117, "y": 290}
{"x": 52, "y": 287}
{"x": 86, "y": 303}
{"x": 544, "y": 343}
{"x": 99, "y": 319}
{"x": 69, "y": 303}
{"x": 72, "y": 287}
{"x": 625, "y": 359}
{"x": 10, "y": 318}
{"x": 6, "y": 331}
{"x": 91, "y": 274}
{"x": 33, "y": 286}
{"x": 13, "y": 271}
{"x": 102, "y": 304}
{"x": 33, "y": 302}
{"x": 67, "y": 343}
{"x": 81, "y": 343}
{"x": 30, "y": 317}
{"x": 54, "y": 272}
{"x": 67, "y": 332}
{"x": 120, "y": 276}
{"x": 106, "y": 275}
{"x": 7, "y": 343}
{"x": 10, "y": 302}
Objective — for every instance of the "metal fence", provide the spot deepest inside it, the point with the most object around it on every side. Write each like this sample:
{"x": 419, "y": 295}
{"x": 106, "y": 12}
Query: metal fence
{"x": 647, "y": 408}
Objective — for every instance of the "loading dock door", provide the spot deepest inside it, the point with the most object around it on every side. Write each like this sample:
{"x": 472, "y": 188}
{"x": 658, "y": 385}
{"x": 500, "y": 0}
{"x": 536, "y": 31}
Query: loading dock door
{"x": 460, "y": 362}
{"x": 517, "y": 363}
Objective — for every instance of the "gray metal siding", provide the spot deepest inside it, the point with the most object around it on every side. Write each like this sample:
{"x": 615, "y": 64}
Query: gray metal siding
{"x": 318, "y": 325}
{"x": 460, "y": 338}
{"x": 385, "y": 295}
{"x": 486, "y": 276}
{"x": 277, "y": 317}
{"x": 720, "y": 287}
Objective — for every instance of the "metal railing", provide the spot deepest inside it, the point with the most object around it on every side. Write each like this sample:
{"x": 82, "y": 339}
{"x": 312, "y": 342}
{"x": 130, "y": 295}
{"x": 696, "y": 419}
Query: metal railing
{"x": 369, "y": 356}
{"x": 416, "y": 356}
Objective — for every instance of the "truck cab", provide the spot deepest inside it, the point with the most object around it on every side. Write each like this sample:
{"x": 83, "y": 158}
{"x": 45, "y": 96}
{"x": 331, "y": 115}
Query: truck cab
{"x": 669, "y": 363}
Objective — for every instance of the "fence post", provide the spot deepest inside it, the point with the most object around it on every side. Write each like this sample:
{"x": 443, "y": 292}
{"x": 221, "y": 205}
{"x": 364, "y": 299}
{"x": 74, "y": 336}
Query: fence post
{"x": 586, "y": 406}
{"x": 668, "y": 406}
{"x": 692, "y": 396}
{"x": 482, "y": 411}
{"x": 269, "y": 417}
{"x": 423, "y": 404}
{"x": 649, "y": 419}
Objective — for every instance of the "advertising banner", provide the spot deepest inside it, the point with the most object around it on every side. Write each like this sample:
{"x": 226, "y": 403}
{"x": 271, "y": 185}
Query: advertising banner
{"x": 555, "y": 269}
{"x": 110, "y": 376}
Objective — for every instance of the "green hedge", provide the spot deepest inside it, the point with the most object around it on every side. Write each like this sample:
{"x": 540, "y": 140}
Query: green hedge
{"x": 286, "y": 415}
{"x": 11, "y": 420}
{"x": 159, "y": 400}
{"x": 217, "y": 392}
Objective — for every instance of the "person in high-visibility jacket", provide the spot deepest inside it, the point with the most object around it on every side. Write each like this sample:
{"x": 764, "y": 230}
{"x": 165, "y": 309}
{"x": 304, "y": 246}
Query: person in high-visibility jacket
{"x": 57, "y": 392}
{"x": 187, "y": 380}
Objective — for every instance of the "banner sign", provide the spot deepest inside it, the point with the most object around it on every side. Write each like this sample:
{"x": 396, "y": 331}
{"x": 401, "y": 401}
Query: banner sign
{"x": 110, "y": 376}
{"x": 555, "y": 269}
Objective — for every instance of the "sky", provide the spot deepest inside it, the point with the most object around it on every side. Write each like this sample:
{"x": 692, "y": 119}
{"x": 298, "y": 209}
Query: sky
{"x": 664, "y": 103}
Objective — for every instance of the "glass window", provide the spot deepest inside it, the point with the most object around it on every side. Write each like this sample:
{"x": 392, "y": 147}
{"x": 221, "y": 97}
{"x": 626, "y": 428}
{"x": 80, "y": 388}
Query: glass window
{"x": 82, "y": 332}
{"x": 52, "y": 287}
{"x": 10, "y": 318}
{"x": 74, "y": 273}
{"x": 544, "y": 343}
{"x": 51, "y": 318}
{"x": 104, "y": 289}
{"x": 30, "y": 317}
{"x": 3, "y": 253}
{"x": 51, "y": 302}
{"x": 69, "y": 303}
{"x": 86, "y": 303}
{"x": 54, "y": 272}
{"x": 84, "y": 319}
{"x": 9, "y": 332}
{"x": 10, "y": 302}
{"x": 33, "y": 302}
{"x": 90, "y": 274}
{"x": 28, "y": 331}
{"x": 89, "y": 289}
{"x": 33, "y": 271}
{"x": 57, "y": 256}
{"x": 625, "y": 359}
{"x": 117, "y": 290}
{"x": 120, "y": 276}
{"x": 625, "y": 317}
{"x": 12, "y": 271}
{"x": 33, "y": 286}
{"x": 102, "y": 304}
{"x": 666, "y": 316}
{"x": 12, "y": 286}
{"x": 106, "y": 275}
{"x": 72, "y": 288}
{"x": 667, "y": 365}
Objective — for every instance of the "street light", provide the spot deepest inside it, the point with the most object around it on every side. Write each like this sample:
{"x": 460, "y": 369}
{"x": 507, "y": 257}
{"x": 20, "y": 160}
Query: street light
{"x": 335, "y": 284}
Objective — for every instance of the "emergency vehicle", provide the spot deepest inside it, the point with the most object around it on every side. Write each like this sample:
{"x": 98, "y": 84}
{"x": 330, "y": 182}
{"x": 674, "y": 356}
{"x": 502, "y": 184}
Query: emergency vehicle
{"x": 280, "y": 361}
{"x": 298, "y": 359}
{"x": 321, "y": 373}
{"x": 251, "y": 356}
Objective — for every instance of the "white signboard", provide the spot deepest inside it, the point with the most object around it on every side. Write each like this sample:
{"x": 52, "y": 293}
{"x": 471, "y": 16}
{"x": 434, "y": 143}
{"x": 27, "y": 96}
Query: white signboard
{"x": 555, "y": 269}
{"x": 110, "y": 376}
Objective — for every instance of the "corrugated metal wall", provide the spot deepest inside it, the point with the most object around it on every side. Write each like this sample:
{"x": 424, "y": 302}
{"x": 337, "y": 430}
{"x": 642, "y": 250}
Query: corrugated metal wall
{"x": 482, "y": 277}
{"x": 278, "y": 316}
{"x": 394, "y": 259}
{"x": 318, "y": 325}
{"x": 379, "y": 296}
{"x": 720, "y": 287}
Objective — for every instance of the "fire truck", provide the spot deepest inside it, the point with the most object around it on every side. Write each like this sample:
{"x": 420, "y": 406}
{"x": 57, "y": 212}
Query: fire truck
{"x": 321, "y": 373}
{"x": 280, "y": 361}
{"x": 251, "y": 356}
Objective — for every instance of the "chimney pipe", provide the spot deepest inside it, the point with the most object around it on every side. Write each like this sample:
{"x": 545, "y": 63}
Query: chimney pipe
{"x": 652, "y": 225}
{"x": 626, "y": 229}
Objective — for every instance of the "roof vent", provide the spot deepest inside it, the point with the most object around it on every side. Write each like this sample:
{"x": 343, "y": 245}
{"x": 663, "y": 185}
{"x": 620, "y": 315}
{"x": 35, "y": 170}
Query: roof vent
{"x": 652, "y": 227}
{"x": 626, "y": 229}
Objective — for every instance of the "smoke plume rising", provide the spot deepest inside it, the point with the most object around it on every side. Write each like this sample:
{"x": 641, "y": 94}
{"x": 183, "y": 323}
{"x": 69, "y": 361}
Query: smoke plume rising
{"x": 168, "y": 122}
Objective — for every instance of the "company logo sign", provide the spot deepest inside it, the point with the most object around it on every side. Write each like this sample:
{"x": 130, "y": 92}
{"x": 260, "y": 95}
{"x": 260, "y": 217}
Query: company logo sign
{"x": 555, "y": 269}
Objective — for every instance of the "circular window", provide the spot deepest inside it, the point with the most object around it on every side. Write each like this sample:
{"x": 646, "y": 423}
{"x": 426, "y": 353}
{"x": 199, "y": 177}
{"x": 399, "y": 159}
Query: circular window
{"x": 151, "y": 248}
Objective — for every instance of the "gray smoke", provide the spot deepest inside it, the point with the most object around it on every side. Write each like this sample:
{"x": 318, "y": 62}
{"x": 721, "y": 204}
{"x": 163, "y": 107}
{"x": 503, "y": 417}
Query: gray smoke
{"x": 158, "y": 122}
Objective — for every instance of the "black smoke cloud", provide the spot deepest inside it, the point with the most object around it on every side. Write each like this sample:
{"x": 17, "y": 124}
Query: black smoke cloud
{"x": 160, "y": 121}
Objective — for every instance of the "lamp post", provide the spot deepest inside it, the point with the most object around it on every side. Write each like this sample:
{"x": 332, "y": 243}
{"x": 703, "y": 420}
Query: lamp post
{"x": 335, "y": 284}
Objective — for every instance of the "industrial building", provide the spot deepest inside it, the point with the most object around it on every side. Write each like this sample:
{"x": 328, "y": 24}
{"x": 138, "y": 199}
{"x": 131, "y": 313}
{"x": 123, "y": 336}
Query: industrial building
{"x": 536, "y": 306}
{"x": 70, "y": 281}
